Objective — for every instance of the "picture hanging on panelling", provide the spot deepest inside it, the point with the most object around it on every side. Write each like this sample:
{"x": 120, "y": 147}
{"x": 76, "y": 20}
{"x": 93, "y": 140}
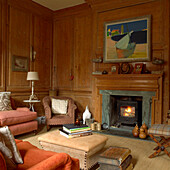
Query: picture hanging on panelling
{"x": 19, "y": 63}
{"x": 127, "y": 40}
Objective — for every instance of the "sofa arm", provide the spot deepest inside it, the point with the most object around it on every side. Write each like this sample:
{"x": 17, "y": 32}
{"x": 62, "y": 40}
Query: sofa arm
{"x": 58, "y": 161}
{"x": 23, "y": 109}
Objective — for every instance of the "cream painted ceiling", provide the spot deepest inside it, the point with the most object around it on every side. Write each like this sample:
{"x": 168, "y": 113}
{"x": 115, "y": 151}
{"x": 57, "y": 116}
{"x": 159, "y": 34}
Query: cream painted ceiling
{"x": 59, "y": 4}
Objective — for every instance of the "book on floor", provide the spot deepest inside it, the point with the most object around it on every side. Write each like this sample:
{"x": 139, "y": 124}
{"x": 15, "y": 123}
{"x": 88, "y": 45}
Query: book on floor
{"x": 75, "y": 135}
{"x": 71, "y": 128}
{"x": 130, "y": 167}
{"x": 122, "y": 166}
{"x": 114, "y": 155}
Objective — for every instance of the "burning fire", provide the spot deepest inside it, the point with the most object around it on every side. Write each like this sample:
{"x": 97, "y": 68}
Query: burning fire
{"x": 128, "y": 112}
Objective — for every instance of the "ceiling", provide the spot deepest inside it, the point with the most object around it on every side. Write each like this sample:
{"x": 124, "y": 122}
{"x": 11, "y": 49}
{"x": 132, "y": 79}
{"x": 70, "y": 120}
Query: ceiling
{"x": 59, "y": 4}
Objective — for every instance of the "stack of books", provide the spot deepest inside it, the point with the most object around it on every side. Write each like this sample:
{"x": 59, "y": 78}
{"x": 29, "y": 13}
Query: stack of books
{"x": 73, "y": 131}
{"x": 116, "y": 158}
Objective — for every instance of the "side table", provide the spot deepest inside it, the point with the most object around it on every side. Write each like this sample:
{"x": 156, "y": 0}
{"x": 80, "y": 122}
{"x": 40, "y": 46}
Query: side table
{"x": 31, "y": 103}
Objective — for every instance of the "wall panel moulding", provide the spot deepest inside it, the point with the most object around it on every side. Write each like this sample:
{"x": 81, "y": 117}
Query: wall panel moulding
{"x": 101, "y": 5}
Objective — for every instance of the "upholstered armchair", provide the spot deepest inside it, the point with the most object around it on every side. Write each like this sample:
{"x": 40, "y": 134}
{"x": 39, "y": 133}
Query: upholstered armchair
{"x": 59, "y": 118}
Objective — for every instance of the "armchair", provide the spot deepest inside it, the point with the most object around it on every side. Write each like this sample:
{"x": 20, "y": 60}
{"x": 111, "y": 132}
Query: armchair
{"x": 58, "y": 119}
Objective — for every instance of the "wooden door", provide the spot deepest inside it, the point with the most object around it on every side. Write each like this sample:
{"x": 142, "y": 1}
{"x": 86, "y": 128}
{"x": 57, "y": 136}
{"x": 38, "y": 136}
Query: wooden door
{"x": 19, "y": 48}
{"x": 42, "y": 51}
{"x": 63, "y": 53}
{"x": 82, "y": 52}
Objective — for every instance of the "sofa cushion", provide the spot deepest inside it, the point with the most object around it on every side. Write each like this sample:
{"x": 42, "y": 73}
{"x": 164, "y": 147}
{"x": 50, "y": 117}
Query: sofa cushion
{"x": 59, "y": 106}
{"x": 5, "y": 102}
{"x": 16, "y": 116}
{"x": 9, "y": 141}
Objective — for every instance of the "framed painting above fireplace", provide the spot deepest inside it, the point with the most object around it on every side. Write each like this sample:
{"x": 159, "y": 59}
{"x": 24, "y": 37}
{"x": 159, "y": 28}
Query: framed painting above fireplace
{"x": 127, "y": 40}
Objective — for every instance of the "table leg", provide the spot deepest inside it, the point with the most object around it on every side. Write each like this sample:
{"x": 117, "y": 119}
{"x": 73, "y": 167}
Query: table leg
{"x": 32, "y": 107}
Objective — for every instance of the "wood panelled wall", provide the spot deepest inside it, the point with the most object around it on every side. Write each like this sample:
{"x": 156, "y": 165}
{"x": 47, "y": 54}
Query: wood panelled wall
{"x": 72, "y": 52}
{"x": 67, "y": 40}
{"x": 25, "y": 28}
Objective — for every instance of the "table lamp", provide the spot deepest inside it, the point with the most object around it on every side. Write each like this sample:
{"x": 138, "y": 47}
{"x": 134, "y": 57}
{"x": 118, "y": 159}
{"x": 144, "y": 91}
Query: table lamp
{"x": 32, "y": 76}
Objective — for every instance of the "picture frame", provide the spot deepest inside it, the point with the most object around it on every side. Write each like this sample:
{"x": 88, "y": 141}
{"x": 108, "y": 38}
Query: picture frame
{"x": 114, "y": 69}
{"x": 138, "y": 68}
{"x": 20, "y": 63}
{"x": 127, "y": 40}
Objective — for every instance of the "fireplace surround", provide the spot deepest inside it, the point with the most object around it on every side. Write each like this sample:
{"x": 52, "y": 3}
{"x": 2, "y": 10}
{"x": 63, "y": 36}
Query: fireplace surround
{"x": 147, "y": 86}
{"x": 108, "y": 108}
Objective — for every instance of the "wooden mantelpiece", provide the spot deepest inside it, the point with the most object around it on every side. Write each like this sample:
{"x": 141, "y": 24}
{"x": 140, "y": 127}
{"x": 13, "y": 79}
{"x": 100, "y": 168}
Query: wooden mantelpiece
{"x": 129, "y": 82}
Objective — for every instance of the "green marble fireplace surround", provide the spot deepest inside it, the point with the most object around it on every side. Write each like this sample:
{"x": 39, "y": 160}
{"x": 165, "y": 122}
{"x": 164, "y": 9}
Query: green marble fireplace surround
{"x": 146, "y": 97}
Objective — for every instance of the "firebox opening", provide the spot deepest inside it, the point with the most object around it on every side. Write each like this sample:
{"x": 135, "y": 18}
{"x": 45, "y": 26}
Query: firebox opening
{"x": 126, "y": 111}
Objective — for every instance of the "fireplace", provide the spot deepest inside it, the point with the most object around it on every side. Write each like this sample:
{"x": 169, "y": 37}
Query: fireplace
{"x": 115, "y": 105}
{"x": 129, "y": 112}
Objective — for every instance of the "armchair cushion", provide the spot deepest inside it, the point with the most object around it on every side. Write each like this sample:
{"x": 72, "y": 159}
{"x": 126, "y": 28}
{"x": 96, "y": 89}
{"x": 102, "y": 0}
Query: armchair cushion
{"x": 5, "y": 101}
{"x": 16, "y": 116}
{"x": 59, "y": 106}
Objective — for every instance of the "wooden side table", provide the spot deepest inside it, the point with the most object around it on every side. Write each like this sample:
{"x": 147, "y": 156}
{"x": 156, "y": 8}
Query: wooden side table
{"x": 31, "y": 103}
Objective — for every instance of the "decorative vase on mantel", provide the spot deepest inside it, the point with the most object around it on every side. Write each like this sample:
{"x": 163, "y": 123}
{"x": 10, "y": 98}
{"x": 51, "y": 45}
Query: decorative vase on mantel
{"x": 135, "y": 131}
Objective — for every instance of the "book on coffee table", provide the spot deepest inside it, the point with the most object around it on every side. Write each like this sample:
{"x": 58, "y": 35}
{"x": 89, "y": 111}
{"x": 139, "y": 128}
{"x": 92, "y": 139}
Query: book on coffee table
{"x": 114, "y": 155}
{"x": 75, "y": 135}
{"x": 71, "y": 128}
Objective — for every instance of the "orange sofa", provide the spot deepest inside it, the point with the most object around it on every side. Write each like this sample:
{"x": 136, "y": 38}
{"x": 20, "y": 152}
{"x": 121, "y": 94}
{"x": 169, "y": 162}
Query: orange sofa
{"x": 38, "y": 159}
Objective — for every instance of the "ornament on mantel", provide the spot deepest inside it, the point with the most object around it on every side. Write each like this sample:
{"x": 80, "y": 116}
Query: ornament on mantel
{"x": 86, "y": 115}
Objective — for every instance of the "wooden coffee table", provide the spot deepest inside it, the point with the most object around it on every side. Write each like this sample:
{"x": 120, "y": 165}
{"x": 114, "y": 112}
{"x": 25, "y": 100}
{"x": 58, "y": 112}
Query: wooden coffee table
{"x": 86, "y": 148}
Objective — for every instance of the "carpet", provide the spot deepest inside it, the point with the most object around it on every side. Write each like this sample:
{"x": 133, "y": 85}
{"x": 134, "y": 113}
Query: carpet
{"x": 140, "y": 149}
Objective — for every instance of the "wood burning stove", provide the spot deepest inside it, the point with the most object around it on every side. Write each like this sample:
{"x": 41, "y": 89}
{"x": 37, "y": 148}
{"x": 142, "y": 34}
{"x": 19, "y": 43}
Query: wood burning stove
{"x": 129, "y": 112}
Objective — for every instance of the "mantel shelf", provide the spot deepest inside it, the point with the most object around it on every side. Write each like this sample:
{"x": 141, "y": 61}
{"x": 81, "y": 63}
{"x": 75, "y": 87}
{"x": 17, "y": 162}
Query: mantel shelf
{"x": 128, "y": 75}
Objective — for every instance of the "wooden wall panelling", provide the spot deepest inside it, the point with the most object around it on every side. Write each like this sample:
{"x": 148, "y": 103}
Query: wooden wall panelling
{"x": 19, "y": 34}
{"x": 83, "y": 52}
{"x": 42, "y": 46}
{"x": 1, "y": 42}
{"x": 32, "y": 7}
{"x": 82, "y": 100}
{"x": 63, "y": 53}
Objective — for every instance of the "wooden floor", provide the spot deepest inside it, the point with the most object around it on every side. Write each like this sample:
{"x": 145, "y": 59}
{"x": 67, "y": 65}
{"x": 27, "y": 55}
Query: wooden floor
{"x": 140, "y": 150}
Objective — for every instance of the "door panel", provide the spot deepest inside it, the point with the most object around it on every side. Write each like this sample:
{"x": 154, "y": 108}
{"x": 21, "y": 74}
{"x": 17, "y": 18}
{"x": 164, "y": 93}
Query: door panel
{"x": 63, "y": 53}
{"x": 83, "y": 48}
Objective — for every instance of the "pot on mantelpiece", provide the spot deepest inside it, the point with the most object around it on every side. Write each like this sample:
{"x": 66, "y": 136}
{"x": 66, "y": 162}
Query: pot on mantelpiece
{"x": 135, "y": 131}
{"x": 142, "y": 133}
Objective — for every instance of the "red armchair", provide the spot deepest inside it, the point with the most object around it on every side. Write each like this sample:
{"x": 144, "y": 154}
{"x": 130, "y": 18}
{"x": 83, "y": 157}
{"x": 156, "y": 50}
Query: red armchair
{"x": 38, "y": 159}
{"x": 59, "y": 119}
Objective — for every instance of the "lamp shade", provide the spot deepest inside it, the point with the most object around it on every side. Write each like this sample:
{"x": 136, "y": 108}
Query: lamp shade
{"x": 32, "y": 76}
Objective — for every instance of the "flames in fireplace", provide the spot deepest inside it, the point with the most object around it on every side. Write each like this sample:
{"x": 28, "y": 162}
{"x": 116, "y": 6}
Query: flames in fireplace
{"x": 127, "y": 111}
